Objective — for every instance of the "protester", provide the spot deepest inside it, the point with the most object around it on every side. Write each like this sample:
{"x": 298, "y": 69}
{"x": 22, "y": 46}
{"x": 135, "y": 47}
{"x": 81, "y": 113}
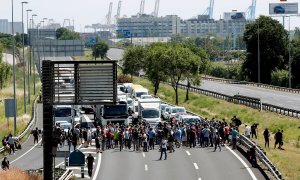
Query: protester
{"x": 5, "y": 164}
{"x": 278, "y": 139}
{"x": 90, "y": 163}
{"x": 36, "y": 135}
{"x": 11, "y": 142}
{"x": 163, "y": 149}
{"x": 266, "y": 137}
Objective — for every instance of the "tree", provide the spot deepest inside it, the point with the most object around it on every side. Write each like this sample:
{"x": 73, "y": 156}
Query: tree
{"x": 297, "y": 33}
{"x": 295, "y": 51}
{"x": 156, "y": 64}
{"x": 100, "y": 49}
{"x": 66, "y": 34}
{"x": 133, "y": 60}
{"x": 273, "y": 48}
{"x": 180, "y": 60}
{"x": 193, "y": 75}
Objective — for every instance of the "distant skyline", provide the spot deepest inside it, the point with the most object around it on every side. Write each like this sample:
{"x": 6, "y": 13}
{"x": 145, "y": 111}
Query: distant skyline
{"x": 87, "y": 12}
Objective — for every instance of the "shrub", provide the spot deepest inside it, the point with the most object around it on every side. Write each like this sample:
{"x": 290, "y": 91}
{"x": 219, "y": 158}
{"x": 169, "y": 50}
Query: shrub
{"x": 124, "y": 78}
{"x": 280, "y": 78}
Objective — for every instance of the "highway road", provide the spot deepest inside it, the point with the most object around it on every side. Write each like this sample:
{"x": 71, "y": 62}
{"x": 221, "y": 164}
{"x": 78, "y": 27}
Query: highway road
{"x": 278, "y": 98}
{"x": 184, "y": 163}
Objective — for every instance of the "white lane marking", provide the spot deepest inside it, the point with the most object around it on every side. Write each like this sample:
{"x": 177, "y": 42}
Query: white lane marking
{"x": 26, "y": 152}
{"x": 243, "y": 162}
{"x": 188, "y": 153}
{"x": 196, "y": 166}
{"x": 144, "y": 155}
{"x": 98, "y": 167}
{"x": 146, "y": 167}
{"x": 88, "y": 152}
{"x": 199, "y": 178}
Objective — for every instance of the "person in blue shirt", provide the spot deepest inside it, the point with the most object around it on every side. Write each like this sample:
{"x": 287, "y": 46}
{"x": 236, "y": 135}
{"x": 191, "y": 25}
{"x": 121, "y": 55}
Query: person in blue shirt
{"x": 235, "y": 135}
{"x": 151, "y": 134}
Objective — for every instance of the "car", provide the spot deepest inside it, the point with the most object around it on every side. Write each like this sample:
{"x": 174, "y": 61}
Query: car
{"x": 162, "y": 108}
{"x": 189, "y": 119}
{"x": 279, "y": 10}
{"x": 166, "y": 112}
{"x": 175, "y": 110}
{"x": 146, "y": 97}
{"x": 177, "y": 116}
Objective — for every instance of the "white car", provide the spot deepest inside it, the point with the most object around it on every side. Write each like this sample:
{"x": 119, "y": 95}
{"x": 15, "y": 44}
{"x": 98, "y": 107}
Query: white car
{"x": 175, "y": 110}
{"x": 166, "y": 111}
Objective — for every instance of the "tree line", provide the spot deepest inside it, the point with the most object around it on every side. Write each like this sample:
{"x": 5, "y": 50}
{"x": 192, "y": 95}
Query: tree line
{"x": 172, "y": 62}
{"x": 5, "y": 69}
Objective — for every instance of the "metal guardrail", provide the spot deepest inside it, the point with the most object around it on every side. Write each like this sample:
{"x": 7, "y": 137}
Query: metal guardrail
{"x": 248, "y": 144}
{"x": 66, "y": 175}
{"x": 29, "y": 125}
{"x": 244, "y": 100}
{"x": 267, "y": 86}
{"x": 261, "y": 156}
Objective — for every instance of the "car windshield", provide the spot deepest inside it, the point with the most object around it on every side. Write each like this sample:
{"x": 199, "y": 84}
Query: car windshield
{"x": 66, "y": 126}
{"x": 163, "y": 107}
{"x": 66, "y": 111}
{"x": 113, "y": 110}
{"x": 167, "y": 109}
{"x": 129, "y": 102}
{"x": 59, "y": 113}
{"x": 138, "y": 94}
{"x": 176, "y": 110}
{"x": 150, "y": 114}
{"x": 190, "y": 120}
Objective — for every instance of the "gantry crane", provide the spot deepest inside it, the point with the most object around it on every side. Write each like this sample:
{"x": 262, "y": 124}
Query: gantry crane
{"x": 210, "y": 10}
{"x": 155, "y": 12}
{"x": 142, "y": 7}
{"x": 251, "y": 11}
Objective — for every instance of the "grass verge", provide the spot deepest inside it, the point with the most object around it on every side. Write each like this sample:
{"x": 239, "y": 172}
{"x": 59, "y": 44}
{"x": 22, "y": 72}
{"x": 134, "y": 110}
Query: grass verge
{"x": 7, "y": 93}
{"x": 287, "y": 161}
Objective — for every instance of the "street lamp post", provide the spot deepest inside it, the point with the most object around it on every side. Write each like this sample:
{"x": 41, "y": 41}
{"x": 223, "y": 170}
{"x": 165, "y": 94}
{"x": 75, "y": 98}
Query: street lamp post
{"x": 258, "y": 54}
{"x": 34, "y": 66}
{"x": 14, "y": 67}
{"x": 24, "y": 62}
{"x": 28, "y": 63}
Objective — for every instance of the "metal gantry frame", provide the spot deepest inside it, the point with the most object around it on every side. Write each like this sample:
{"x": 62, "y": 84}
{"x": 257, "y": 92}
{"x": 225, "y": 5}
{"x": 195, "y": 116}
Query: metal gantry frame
{"x": 94, "y": 83}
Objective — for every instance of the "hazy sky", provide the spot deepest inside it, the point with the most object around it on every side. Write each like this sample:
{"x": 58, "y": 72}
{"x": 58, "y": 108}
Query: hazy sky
{"x": 86, "y": 12}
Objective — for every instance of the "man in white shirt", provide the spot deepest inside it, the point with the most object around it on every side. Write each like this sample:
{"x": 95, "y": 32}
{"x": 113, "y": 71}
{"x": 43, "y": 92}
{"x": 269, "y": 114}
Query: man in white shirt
{"x": 163, "y": 149}
{"x": 248, "y": 131}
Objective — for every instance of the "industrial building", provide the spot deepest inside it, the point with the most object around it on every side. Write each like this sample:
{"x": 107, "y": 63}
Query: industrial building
{"x": 150, "y": 26}
{"x": 5, "y": 27}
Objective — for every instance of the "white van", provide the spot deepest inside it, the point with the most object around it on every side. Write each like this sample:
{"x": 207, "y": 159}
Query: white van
{"x": 63, "y": 113}
{"x": 136, "y": 93}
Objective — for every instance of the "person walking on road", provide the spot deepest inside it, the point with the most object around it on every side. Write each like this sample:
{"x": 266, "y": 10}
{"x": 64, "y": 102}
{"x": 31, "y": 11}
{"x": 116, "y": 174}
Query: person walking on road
{"x": 217, "y": 141}
{"x": 36, "y": 135}
{"x": 163, "y": 148}
{"x": 5, "y": 164}
{"x": 90, "y": 160}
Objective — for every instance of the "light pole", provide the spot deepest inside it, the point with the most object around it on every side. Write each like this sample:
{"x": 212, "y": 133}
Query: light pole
{"x": 258, "y": 54}
{"x": 24, "y": 62}
{"x": 29, "y": 62}
{"x": 14, "y": 67}
{"x": 33, "y": 57}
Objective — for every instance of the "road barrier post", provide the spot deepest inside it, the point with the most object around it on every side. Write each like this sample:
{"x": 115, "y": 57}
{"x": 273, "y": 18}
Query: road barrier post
{"x": 82, "y": 171}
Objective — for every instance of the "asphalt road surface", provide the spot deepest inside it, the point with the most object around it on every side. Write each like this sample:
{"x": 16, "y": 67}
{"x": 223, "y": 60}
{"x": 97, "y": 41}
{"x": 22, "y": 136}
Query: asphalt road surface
{"x": 278, "y": 98}
{"x": 184, "y": 163}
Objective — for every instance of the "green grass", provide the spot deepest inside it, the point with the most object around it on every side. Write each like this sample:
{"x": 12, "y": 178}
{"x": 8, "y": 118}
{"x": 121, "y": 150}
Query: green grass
{"x": 7, "y": 92}
{"x": 287, "y": 161}
{"x": 87, "y": 56}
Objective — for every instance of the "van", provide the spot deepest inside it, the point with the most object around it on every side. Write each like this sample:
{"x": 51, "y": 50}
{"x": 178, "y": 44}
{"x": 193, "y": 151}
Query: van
{"x": 63, "y": 113}
{"x": 136, "y": 93}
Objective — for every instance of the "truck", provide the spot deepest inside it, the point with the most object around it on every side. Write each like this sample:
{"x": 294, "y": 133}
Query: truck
{"x": 115, "y": 113}
{"x": 149, "y": 110}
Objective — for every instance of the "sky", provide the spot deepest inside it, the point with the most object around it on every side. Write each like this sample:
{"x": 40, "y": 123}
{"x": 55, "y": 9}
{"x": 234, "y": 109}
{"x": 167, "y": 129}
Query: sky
{"x": 87, "y": 12}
